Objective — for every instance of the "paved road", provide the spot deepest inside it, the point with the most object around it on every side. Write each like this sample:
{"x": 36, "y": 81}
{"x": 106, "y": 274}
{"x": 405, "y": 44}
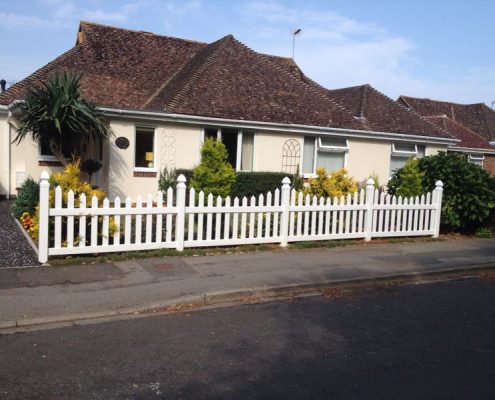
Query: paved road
{"x": 15, "y": 251}
{"x": 431, "y": 341}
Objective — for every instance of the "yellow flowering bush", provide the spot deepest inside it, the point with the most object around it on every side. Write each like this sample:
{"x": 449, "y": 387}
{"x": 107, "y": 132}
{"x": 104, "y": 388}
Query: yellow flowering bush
{"x": 335, "y": 184}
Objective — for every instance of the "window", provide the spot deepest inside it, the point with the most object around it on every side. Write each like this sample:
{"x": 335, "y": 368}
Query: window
{"x": 401, "y": 152}
{"x": 144, "y": 148}
{"x": 67, "y": 149}
{"x": 239, "y": 144}
{"x": 329, "y": 151}
{"x": 476, "y": 159}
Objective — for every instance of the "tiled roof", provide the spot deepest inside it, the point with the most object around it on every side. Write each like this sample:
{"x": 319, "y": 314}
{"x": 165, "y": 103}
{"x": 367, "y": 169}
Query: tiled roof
{"x": 380, "y": 113}
{"x": 467, "y": 137}
{"x": 478, "y": 117}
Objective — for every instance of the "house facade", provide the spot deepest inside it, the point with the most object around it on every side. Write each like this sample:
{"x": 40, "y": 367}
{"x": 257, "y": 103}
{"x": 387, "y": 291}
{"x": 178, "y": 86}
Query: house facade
{"x": 163, "y": 96}
{"x": 472, "y": 124}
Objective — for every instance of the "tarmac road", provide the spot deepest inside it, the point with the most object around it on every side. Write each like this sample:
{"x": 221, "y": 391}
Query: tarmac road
{"x": 429, "y": 341}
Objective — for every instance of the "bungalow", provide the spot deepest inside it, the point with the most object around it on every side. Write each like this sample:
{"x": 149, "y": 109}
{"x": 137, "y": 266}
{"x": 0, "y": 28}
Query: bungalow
{"x": 163, "y": 96}
{"x": 472, "y": 124}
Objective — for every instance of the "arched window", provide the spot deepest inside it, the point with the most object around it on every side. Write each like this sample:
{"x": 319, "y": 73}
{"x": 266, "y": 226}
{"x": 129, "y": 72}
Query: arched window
{"x": 291, "y": 153}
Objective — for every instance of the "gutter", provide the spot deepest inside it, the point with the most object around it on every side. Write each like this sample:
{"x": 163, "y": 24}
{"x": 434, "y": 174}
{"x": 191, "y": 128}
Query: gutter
{"x": 270, "y": 126}
{"x": 470, "y": 150}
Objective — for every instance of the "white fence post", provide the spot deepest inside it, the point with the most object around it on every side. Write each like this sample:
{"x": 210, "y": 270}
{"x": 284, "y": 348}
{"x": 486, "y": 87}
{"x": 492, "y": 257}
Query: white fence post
{"x": 368, "y": 221}
{"x": 43, "y": 218}
{"x": 284, "y": 225}
{"x": 437, "y": 200}
{"x": 181, "y": 212}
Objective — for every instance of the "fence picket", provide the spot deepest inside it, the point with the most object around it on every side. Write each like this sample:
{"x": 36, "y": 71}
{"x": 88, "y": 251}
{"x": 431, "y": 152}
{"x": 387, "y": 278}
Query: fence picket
{"x": 299, "y": 214}
{"x": 347, "y": 214}
{"x": 58, "y": 219}
{"x": 94, "y": 223}
{"x": 400, "y": 223}
{"x": 341, "y": 214}
{"x": 410, "y": 215}
{"x": 252, "y": 222}
{"x": 218, "y": 219}
{"x": 243, "y": 219}
{"x": 268, "y": 217}
{"x": 82, "y": 221}
{"x": 392, "y": 215}
{"x": 361, "y": 211}
{"x": 70, "y": 220}
{"x": 421, "y": 213}
{"x": 320, "y": 217}
{"x": 334, "y": 216}
{"x": 209, "y": 217}
{"x": 387, "y": 215}
{"x": 416, "y": 214}
{"x": 328, "y": 201}
{"x": 275, "y": 215}
{"x": 201, "y": 201}
{"x": 405, "y": 201}
{"x": 149, "y": 218}
{"x": 354, "y": 213}
{"x": 226, "y": 226}
{"x": 292, "y": 216}
{"x": 235, "y": 221}
{"x": 128, "y": 222}
{"x": 139, "y": 220}
{"x": 159, "y": 218}
{"x": 116, "y": 234}
{"x": 169, "y": 217}
{"x": 105, "y": 232}
{"x": 190, "y": 227}
{"x": 428, "y": 212}
{"x": 313, "y": 217}
{"x": 259, "y": 225}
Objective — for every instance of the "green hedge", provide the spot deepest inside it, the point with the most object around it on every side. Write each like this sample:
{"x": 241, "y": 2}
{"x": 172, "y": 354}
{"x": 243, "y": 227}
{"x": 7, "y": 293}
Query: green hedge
{"x": 255, "y": 183}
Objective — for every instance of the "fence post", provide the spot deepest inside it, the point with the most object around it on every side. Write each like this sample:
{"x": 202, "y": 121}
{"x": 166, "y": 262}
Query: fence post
{"x": 284, "y": 225}
{"x": 181, "y": 212}
{"x": 437, "y": 200}
{"x": 368, "y": 221}
{"x": 43, "y": 218}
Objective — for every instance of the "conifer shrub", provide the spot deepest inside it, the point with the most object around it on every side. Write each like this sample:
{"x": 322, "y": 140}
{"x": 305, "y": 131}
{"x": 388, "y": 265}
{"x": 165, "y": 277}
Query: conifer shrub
{"x": 27, "y": 199}
{"x": 407, "y": 181}
{"x": 213, "y": 174}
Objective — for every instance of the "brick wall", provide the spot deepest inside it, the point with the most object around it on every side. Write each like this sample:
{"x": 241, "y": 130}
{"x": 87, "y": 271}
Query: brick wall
{"x": 489, "y": 163}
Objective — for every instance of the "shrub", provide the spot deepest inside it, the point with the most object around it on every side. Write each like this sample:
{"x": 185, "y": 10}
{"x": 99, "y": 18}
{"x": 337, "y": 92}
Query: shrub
{"x": 484, "y": 233}
{"x": 469, "y": 191}
{"x": 27, "y": 199}
{"x": 255, "y": 183}
{"x": 168, "y": 178}
{"x": 407, "y": 181}
{"x": 335, "y": 184}
{"x": 214, "y": 174}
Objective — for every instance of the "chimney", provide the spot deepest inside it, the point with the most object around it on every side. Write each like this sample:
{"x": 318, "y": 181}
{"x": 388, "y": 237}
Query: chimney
{"x": 2, "y": 85}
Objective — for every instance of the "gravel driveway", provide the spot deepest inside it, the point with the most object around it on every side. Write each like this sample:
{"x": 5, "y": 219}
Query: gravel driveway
{"x": 15, "y": 250}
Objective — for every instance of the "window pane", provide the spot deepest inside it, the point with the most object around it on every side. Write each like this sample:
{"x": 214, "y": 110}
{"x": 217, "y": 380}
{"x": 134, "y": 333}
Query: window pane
{"x": 407, "y": 147}
{"x": 421, "y": 150}
{"x": 144, "y": 147}
{"x": 397, "y": 162}
{"x": 210, "y": 133}
{"x": 247, "y": 151}
{"x": 308, "y": 154}
{"x": 333, "y": 142}
{"x": 229, "y": 139}
{"x": 330, "y": 161}
{"x": 67, "y": 149}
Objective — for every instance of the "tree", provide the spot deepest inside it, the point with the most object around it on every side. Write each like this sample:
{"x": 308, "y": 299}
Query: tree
{"x": 56, "y": 113}
{"x": 214, "y": 174}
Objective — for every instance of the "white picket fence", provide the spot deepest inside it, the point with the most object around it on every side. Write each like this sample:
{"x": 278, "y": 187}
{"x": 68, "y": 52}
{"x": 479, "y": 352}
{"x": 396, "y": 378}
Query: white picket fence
{"x": 200, "y": 221}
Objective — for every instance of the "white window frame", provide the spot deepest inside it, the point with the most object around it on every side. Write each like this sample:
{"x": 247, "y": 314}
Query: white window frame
{"x": 238, "y": 161}
{"x": 46, "y": 157}
{"x": 402, "y": 153}
{"x": 476, "y": 157}
{"x": 145, "y": 169}
{"x": 319, "y": 147}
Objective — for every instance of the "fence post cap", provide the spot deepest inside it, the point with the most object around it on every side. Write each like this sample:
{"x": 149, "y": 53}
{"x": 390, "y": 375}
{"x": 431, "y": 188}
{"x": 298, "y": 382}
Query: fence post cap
{"x": 370, "y": 182}
{"x": 286, "y": 181}
{"x": 45, "y": 176}
{"x": 181, "y": 178}
{"x": 439, "y": 184}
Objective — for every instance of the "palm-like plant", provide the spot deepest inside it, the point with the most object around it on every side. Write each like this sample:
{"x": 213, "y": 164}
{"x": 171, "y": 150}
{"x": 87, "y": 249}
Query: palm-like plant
{"x": 56, "y": 112}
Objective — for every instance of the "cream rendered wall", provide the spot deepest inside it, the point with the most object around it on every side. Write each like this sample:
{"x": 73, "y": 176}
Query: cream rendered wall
{"x": 268, "y": 148}
{"x": 176, "y": 146}
{"x": 367, "y": 156}
{"x": 431, "y": 150}
{"x": 4, "y": 155}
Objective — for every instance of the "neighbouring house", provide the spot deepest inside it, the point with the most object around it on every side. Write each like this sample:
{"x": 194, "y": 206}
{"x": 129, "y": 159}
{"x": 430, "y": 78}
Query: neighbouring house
{"x": 472, "y": 124}
{"x": 163, "y": 96}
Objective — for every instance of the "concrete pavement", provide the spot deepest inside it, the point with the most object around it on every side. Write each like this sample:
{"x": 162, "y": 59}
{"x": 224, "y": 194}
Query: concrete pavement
{"x": 45, "y": 295}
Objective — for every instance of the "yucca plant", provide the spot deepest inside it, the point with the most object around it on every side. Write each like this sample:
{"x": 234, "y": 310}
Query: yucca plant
{"x": 55, "y": 112}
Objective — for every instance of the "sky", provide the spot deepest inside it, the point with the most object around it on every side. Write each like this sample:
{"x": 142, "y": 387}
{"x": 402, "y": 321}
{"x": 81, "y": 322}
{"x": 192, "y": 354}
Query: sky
{"x": 441, "y": 49}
